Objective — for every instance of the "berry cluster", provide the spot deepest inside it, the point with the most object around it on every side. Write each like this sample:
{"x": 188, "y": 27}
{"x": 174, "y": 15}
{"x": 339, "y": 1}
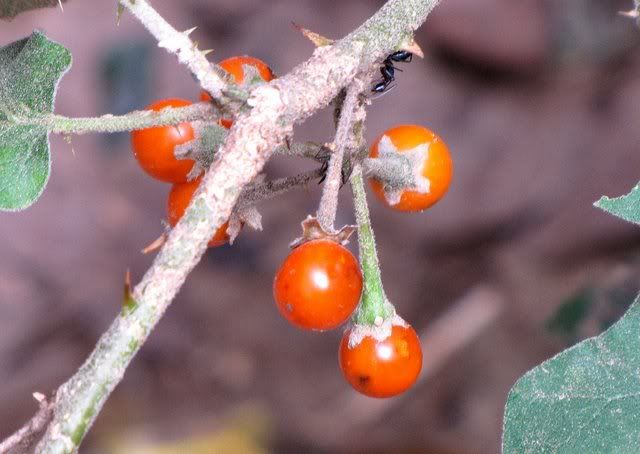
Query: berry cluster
{"x": 321, "y": 285}
{"x": 154, "y": 148}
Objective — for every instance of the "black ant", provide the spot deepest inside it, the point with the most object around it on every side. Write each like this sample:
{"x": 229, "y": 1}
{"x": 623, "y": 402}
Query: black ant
{"x": 388, "y": 70}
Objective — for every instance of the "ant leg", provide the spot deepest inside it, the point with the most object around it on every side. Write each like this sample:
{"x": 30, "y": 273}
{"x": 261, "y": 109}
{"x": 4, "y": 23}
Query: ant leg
{"x": 323, "y": 169}
{"x": 347, "y": 169}
{"x": 380, "y": 94}
{"x": 325, "y": 164}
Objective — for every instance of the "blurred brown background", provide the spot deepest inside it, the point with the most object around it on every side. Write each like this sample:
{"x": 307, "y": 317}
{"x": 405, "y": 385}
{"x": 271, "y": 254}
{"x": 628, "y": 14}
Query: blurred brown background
{"x": 538, "y": 102}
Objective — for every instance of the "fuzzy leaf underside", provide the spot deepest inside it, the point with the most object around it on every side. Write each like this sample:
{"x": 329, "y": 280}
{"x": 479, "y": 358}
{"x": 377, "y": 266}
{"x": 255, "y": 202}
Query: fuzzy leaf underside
{"x": 30, "y": 70}
{"x": 626, "y": 207}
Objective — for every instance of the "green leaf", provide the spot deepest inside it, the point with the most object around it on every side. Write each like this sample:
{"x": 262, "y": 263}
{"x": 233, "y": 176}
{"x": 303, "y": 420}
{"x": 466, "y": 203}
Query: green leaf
{"x": 30, "y": 70}
{"x": 626, "y": 207}
{"x": 11, "y": 8}
{"x": 584, "y": 400}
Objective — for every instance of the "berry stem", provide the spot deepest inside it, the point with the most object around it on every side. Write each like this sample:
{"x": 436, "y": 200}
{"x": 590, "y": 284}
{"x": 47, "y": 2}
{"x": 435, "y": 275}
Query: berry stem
{"x": 35, "y": 425}
{"x": 139, "y": 119}
{"x": 274, "y": 188}
{"x": 329, "y": 201}
{"x": 309, "y": 150}
{"x": 374, "y": 306}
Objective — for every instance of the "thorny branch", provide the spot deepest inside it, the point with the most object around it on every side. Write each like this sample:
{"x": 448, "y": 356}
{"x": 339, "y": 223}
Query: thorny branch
{"x": 253, "y": 194}
{"x": 186, "y": 50}
{"x": 274, "y": 109}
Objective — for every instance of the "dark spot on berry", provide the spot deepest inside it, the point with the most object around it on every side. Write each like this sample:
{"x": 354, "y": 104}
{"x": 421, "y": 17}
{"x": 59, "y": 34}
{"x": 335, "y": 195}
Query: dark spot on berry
{"x": 363, "y": 380}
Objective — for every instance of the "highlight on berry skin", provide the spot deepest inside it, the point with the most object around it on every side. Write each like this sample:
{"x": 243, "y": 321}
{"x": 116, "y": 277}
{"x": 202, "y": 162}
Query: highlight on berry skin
{"x": 381, "y": 361}
{"x": 318, "y": 286}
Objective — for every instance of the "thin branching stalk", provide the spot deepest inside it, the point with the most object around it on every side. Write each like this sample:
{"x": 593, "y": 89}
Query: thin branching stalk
{"x": 275, "y": 108}
{"x": 26, "y": 434}
{"x": 329, "y": 200}
{"x": 309, "y": 150}
{"x": 139, "y": 119}
{"x": 274, "y": 188}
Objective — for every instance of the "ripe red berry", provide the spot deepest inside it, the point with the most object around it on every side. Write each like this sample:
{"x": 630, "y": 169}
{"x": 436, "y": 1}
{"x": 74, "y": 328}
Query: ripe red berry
{"x": 429, "y": 152}
{"x": 318, "y": 286}
{"x": 179, "y": 198}
{"x": 382, "y": 368}
{"x": 154, "y": 147}
{"x": 235, "y": 67}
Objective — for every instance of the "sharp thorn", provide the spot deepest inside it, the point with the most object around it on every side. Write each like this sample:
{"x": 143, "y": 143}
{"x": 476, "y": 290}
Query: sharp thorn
{"x": 317, "y": 39}
{"x": 127, "y": 284}
{"x": 634, "y": 14}
{"x": 119, "y": 13}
